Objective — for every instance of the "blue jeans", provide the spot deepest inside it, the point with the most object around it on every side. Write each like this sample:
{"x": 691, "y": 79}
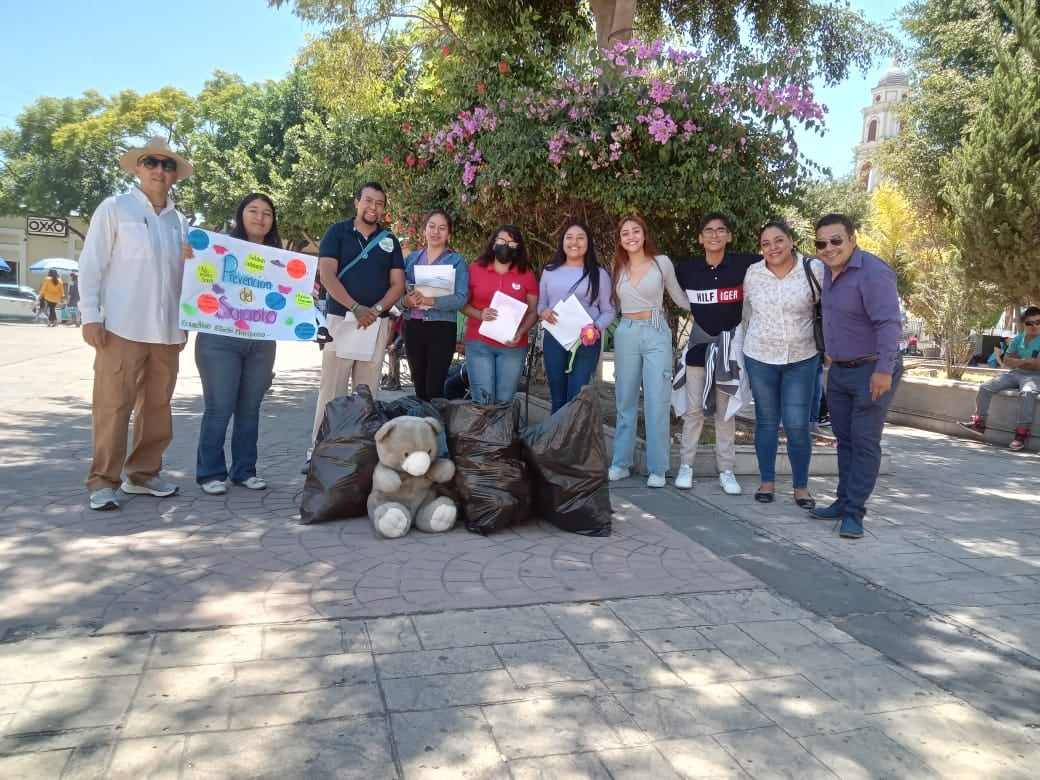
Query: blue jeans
{"x": 235, "y": 375}
{"x": 783, "y": 392}
{"x": 642, "y": 359}
{"x": 857, "y": 423}
{"x": 563, "y": 386}
{"x": 817, "y": 398}
{"x": 494, "y": 372}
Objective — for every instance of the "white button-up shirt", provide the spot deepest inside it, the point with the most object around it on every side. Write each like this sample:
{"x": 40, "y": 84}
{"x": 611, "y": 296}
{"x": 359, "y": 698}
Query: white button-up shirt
{"x": 130, "y": 269}
{"x": 779, "y": 314}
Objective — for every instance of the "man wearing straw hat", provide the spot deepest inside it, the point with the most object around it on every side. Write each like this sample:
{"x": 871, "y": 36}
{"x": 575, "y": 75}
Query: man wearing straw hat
{"x": 130, "y": 283}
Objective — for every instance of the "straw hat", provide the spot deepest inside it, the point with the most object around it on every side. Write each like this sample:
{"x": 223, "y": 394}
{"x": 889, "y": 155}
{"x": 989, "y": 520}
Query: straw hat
{"x": 159, "y": 147}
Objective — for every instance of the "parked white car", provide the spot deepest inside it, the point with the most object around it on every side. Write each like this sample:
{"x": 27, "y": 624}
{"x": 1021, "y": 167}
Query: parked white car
{"x": 18, "y": 301}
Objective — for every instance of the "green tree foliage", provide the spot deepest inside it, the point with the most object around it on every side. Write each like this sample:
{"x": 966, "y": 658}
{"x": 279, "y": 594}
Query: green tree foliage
{"x": 993, "y": 180}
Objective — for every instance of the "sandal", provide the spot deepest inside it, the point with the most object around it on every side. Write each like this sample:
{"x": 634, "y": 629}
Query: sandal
{"x": 806, "y": 503}
{"x": 764, "y": 498}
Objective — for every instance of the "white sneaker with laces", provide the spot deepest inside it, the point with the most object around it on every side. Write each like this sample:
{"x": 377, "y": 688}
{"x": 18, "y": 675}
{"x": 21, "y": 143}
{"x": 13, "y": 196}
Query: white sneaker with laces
{"x": 684, "y": 479}
{"x": 616, "y": 472}
{"x": 656, "y": 481}
{"x": 156, "y": 486}
{"x": 729, "y": 483}
{"x": 215, "y": 487}
{"x": 254, "y": 483}
{"x": 104, "y": 500}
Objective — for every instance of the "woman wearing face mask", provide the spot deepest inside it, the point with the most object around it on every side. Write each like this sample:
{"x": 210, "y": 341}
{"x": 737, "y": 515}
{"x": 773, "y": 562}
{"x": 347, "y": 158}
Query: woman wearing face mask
{"x": 494, "y": 367}
{"x": 235, "y": 374}
{"x": 575, "y": 270}
{"x": 642, "y": 348}
{"x": 781, "y": 357}
{"x": 430, "y": 322}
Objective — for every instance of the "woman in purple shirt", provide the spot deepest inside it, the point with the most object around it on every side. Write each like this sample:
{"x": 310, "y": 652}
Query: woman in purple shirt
{"x": 573, "y": 270}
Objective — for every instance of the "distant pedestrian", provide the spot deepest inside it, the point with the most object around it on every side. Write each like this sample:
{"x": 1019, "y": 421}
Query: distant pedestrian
{"x": 781, "y": 357}
{"x": 573, "y": 270}
{"x": 430, "y": 321}
{"x": 52, "y": 293}
{"x": 1022, "y": 356}
{"x": 73, "y": 300}
{"x": 236, "y": 374}
{"x": 862, "y": 328}
{"x": 130, "y": 285}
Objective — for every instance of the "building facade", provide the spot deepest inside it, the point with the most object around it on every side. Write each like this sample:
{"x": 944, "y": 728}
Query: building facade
{"x": 25, "y": 240}
{"x": 880, "y": 123}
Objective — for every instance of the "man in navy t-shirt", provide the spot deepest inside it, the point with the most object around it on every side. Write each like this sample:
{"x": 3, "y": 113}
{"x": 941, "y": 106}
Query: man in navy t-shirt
{"x": 360, "y": 293}
{"x": 714, "y": 284}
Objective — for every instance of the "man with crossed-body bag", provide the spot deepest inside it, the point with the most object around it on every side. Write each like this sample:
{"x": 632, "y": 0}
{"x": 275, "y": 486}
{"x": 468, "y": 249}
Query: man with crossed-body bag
{"x": 362, "y": 269}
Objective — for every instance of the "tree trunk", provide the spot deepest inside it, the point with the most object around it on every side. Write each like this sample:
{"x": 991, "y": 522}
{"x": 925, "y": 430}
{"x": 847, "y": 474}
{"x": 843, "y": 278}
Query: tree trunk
{"x": 614, "y": 20}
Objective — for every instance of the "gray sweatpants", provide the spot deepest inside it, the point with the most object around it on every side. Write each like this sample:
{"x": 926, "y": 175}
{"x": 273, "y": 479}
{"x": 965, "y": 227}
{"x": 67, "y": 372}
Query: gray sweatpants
{"x": 1028, "y": 385}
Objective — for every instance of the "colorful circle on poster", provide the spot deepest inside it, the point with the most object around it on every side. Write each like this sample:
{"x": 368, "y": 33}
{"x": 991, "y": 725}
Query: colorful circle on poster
{"x": 206, "y": 273}
{"x": 304, "y": 331}
{"x": 255, "y": 263}
{"x": 207, "y": 303}
{"x": 219, "y": 249}
{"x": 241, "y": 325}
{"x": 198, "y": 239}
{"x": 304, "y": 300}
{"x": 296, "y": 268}
{"x": 275, "y": 301}
{"x": 284, "y": 289}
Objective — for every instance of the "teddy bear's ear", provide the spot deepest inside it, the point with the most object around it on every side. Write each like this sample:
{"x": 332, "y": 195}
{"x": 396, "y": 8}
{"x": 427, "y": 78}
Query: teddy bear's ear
{"x": 436, "y": 424}
{"x": 385, "y": 429}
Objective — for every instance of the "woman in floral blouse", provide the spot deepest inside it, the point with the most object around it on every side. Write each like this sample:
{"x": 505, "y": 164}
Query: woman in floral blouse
{"x": 781, "y": 356}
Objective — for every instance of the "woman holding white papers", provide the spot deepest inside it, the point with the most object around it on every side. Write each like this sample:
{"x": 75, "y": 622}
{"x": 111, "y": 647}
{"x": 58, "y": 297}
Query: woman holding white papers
{"x": 235, "y": 374}
{"x": 503, "y": 305}
{"x": 642, "y": 348}
{"x": 573, "y": 271}
{"x": 438, "y": 287}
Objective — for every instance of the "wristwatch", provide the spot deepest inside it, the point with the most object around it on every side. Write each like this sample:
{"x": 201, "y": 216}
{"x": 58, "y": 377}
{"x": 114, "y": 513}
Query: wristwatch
{"x": 378, "y": 308}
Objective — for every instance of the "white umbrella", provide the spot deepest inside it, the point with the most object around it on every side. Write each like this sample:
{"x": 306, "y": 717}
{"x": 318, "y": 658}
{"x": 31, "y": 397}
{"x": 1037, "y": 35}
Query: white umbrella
{"x": 55, "y": 263}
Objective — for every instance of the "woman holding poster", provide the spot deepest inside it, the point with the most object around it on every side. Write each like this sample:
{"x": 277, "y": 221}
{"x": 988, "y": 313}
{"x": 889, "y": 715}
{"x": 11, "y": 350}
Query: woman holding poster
{"x": 438, "y": 285}
{"x": 503, "y": 305}
{"x": 573, "y": 271}
{"x": 235, "y": 373}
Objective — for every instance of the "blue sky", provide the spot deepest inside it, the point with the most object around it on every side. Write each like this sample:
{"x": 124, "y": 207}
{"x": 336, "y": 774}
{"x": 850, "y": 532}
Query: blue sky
{"x": 61, "y": 48}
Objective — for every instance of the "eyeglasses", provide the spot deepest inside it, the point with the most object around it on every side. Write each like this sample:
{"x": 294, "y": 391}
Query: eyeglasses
{"x": 510, "y": 244}
{"x": 168, "y": 165}
{"x": 832, "y": 241}
{"x": 1032, "y": 323}
{"x": 715, "y": 232}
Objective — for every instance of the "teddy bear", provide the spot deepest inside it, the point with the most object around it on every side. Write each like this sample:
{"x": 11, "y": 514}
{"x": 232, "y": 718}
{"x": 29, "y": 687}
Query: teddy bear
{"x": 402, "y": 486}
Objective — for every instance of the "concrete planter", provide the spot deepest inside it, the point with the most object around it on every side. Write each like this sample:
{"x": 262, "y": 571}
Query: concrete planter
{"x": 935, "y": 404}
{"x": 824, "y": 460}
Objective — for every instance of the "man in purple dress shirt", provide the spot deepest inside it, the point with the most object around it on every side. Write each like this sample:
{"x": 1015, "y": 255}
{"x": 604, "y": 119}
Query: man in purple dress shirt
{"x": 862, "y": 326}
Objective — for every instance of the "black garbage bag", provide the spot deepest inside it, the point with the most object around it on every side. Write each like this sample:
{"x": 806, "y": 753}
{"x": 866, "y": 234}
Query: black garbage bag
{"x": 344, "y": 459}
{"x": 490, "y": 476}
{"x": 411, "y": 406}
{"x": 567, "y": 461}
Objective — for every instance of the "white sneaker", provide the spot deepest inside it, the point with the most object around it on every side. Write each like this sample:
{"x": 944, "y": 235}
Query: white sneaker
{"x": 656, "y": 481}
{"x": 254, "y": 483}
{"x": 729, "y": 483}
{"x": 215, "y": 487}
{"x": 104, "y": 500}
{"x": 684, "y": 479}
{"x": 616, "y": 472}
{"x": 156, "y": 486}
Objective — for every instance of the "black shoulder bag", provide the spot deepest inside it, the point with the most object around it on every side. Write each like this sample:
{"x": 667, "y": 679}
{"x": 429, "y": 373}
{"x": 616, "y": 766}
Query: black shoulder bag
{"x": 815, "y": 292}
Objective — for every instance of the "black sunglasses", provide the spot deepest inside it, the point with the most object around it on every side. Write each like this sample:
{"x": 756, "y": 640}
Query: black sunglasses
{"x": 832, "y": 241}
{"x": 167, "y": 164}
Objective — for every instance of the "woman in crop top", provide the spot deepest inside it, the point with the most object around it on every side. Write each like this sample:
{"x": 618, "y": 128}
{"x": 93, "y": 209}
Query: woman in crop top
{"x": 642, "y": 348}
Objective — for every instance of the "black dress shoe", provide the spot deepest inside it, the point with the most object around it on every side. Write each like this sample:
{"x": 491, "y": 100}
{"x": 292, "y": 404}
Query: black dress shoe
{"x": 806, "y": 503}
{"x": 832, "y": 512}
{"x": 764, "y": 498}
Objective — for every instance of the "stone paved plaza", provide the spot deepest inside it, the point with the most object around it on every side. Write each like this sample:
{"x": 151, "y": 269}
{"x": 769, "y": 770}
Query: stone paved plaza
{"x": 709, "y": 637}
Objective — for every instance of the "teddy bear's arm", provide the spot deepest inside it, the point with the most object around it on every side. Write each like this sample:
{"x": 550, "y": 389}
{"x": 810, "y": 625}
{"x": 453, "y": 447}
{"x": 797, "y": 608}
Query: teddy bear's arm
{"x": 442, "y": 470}
{"x": 385, "y": 479}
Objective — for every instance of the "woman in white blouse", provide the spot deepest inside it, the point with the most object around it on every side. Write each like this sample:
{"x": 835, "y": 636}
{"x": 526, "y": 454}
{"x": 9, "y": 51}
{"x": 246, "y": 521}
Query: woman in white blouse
{"x": 642, "y": 348}
{"x": 780, "y": 356}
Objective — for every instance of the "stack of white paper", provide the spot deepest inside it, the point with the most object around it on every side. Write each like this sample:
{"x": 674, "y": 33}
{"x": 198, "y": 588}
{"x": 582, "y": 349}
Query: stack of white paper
{"x": 510, "y": 314}
{"x": 571, "y": 317}
{"x": 352, "y": 342}
{"x": 435, "y": 280}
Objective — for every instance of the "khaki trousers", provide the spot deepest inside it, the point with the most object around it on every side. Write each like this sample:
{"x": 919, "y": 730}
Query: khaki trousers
{"x": 693, "y": 423}
{"x": 138, "y": 377}
{"x": 337, "y": 374}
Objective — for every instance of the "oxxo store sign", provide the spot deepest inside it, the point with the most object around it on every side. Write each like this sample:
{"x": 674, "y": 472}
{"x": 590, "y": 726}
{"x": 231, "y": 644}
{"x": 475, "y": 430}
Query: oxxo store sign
{"x": 46, "y": 226}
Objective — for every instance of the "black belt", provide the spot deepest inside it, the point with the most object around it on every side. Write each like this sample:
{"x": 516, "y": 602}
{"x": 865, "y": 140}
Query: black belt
{"x": 860, "y": 361}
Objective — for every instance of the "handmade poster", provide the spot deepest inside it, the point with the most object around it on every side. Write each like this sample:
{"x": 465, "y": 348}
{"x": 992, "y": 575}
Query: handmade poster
{"x": 510, "y": 314}
{"x": 248, "y": 291}
{"x": 571, "y": 317}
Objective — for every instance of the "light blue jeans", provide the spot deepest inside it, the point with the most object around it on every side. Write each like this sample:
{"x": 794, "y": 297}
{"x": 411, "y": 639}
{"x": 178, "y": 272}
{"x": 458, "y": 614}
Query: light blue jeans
{"x": 642, "y": 359}
{"x": 494, "y": 372}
